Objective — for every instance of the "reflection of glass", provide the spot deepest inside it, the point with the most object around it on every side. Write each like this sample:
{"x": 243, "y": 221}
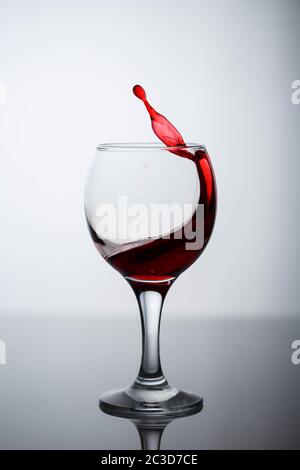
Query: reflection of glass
{"x": 151, "y": 429}
{"x": 148, "y": 252}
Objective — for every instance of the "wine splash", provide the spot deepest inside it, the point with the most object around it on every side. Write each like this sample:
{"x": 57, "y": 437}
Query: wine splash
{"x": 163, "y": 258}
{"x": 170, "y": 136}
{"x": 162, "y": 128}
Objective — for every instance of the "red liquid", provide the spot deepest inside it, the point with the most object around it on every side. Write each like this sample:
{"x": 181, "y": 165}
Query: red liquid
{"x": 164, "y": 130}
{"x": 162, "y": 260}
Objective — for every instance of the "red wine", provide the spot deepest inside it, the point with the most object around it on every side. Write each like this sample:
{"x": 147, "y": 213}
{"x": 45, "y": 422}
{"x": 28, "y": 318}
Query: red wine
{"x": 164, "y": 259}
{"x": 164, "y": 130}
{"x": 161, "y": 260}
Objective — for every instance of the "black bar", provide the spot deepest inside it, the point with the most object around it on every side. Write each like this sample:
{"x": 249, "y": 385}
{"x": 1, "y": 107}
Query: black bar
{"x": 137, "y": 458}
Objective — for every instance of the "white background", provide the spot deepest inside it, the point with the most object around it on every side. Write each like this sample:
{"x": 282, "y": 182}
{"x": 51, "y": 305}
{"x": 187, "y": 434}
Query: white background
{"x": 221, "y": 71}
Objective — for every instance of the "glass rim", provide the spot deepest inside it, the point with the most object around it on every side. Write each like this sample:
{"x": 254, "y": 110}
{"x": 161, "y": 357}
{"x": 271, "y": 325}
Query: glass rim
{"x": 148, "y": 146}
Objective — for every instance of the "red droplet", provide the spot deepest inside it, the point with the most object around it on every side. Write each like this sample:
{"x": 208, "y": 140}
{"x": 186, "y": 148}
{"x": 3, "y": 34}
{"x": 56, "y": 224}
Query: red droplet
{"x": 139, "y": 92}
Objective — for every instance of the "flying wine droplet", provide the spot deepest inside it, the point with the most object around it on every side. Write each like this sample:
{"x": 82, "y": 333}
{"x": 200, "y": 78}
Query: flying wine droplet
{"x": 162, "y": 128}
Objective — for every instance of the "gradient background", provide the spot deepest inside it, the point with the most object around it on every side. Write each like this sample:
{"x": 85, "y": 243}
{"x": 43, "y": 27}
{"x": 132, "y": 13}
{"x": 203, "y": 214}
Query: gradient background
{"x": 222, "y": 72}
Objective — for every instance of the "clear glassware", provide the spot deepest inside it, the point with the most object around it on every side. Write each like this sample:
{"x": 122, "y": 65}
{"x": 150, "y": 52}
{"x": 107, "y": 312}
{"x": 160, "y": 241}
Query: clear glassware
{"x": 150, "y": 211}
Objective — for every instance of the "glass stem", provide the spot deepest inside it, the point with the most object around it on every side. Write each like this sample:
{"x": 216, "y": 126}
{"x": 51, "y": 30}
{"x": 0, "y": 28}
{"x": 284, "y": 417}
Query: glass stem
{"x": 150, "y": 305}
{"x": 150, "y": 437}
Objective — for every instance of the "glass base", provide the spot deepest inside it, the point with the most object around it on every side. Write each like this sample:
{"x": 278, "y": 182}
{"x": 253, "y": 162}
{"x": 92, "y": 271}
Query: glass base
{"x": 150, "y": 401}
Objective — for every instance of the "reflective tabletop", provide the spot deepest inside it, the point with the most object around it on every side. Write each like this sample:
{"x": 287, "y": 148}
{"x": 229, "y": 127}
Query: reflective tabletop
{"x": 58, "y": 366}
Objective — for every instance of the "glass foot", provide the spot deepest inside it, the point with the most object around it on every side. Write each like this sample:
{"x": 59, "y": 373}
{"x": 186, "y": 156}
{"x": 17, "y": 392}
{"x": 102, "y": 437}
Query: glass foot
{"x": 151, "y": 401}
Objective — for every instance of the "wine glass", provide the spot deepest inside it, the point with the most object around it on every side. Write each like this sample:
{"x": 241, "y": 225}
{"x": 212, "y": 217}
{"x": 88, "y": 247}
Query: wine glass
{"x": 150, "y": 211}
